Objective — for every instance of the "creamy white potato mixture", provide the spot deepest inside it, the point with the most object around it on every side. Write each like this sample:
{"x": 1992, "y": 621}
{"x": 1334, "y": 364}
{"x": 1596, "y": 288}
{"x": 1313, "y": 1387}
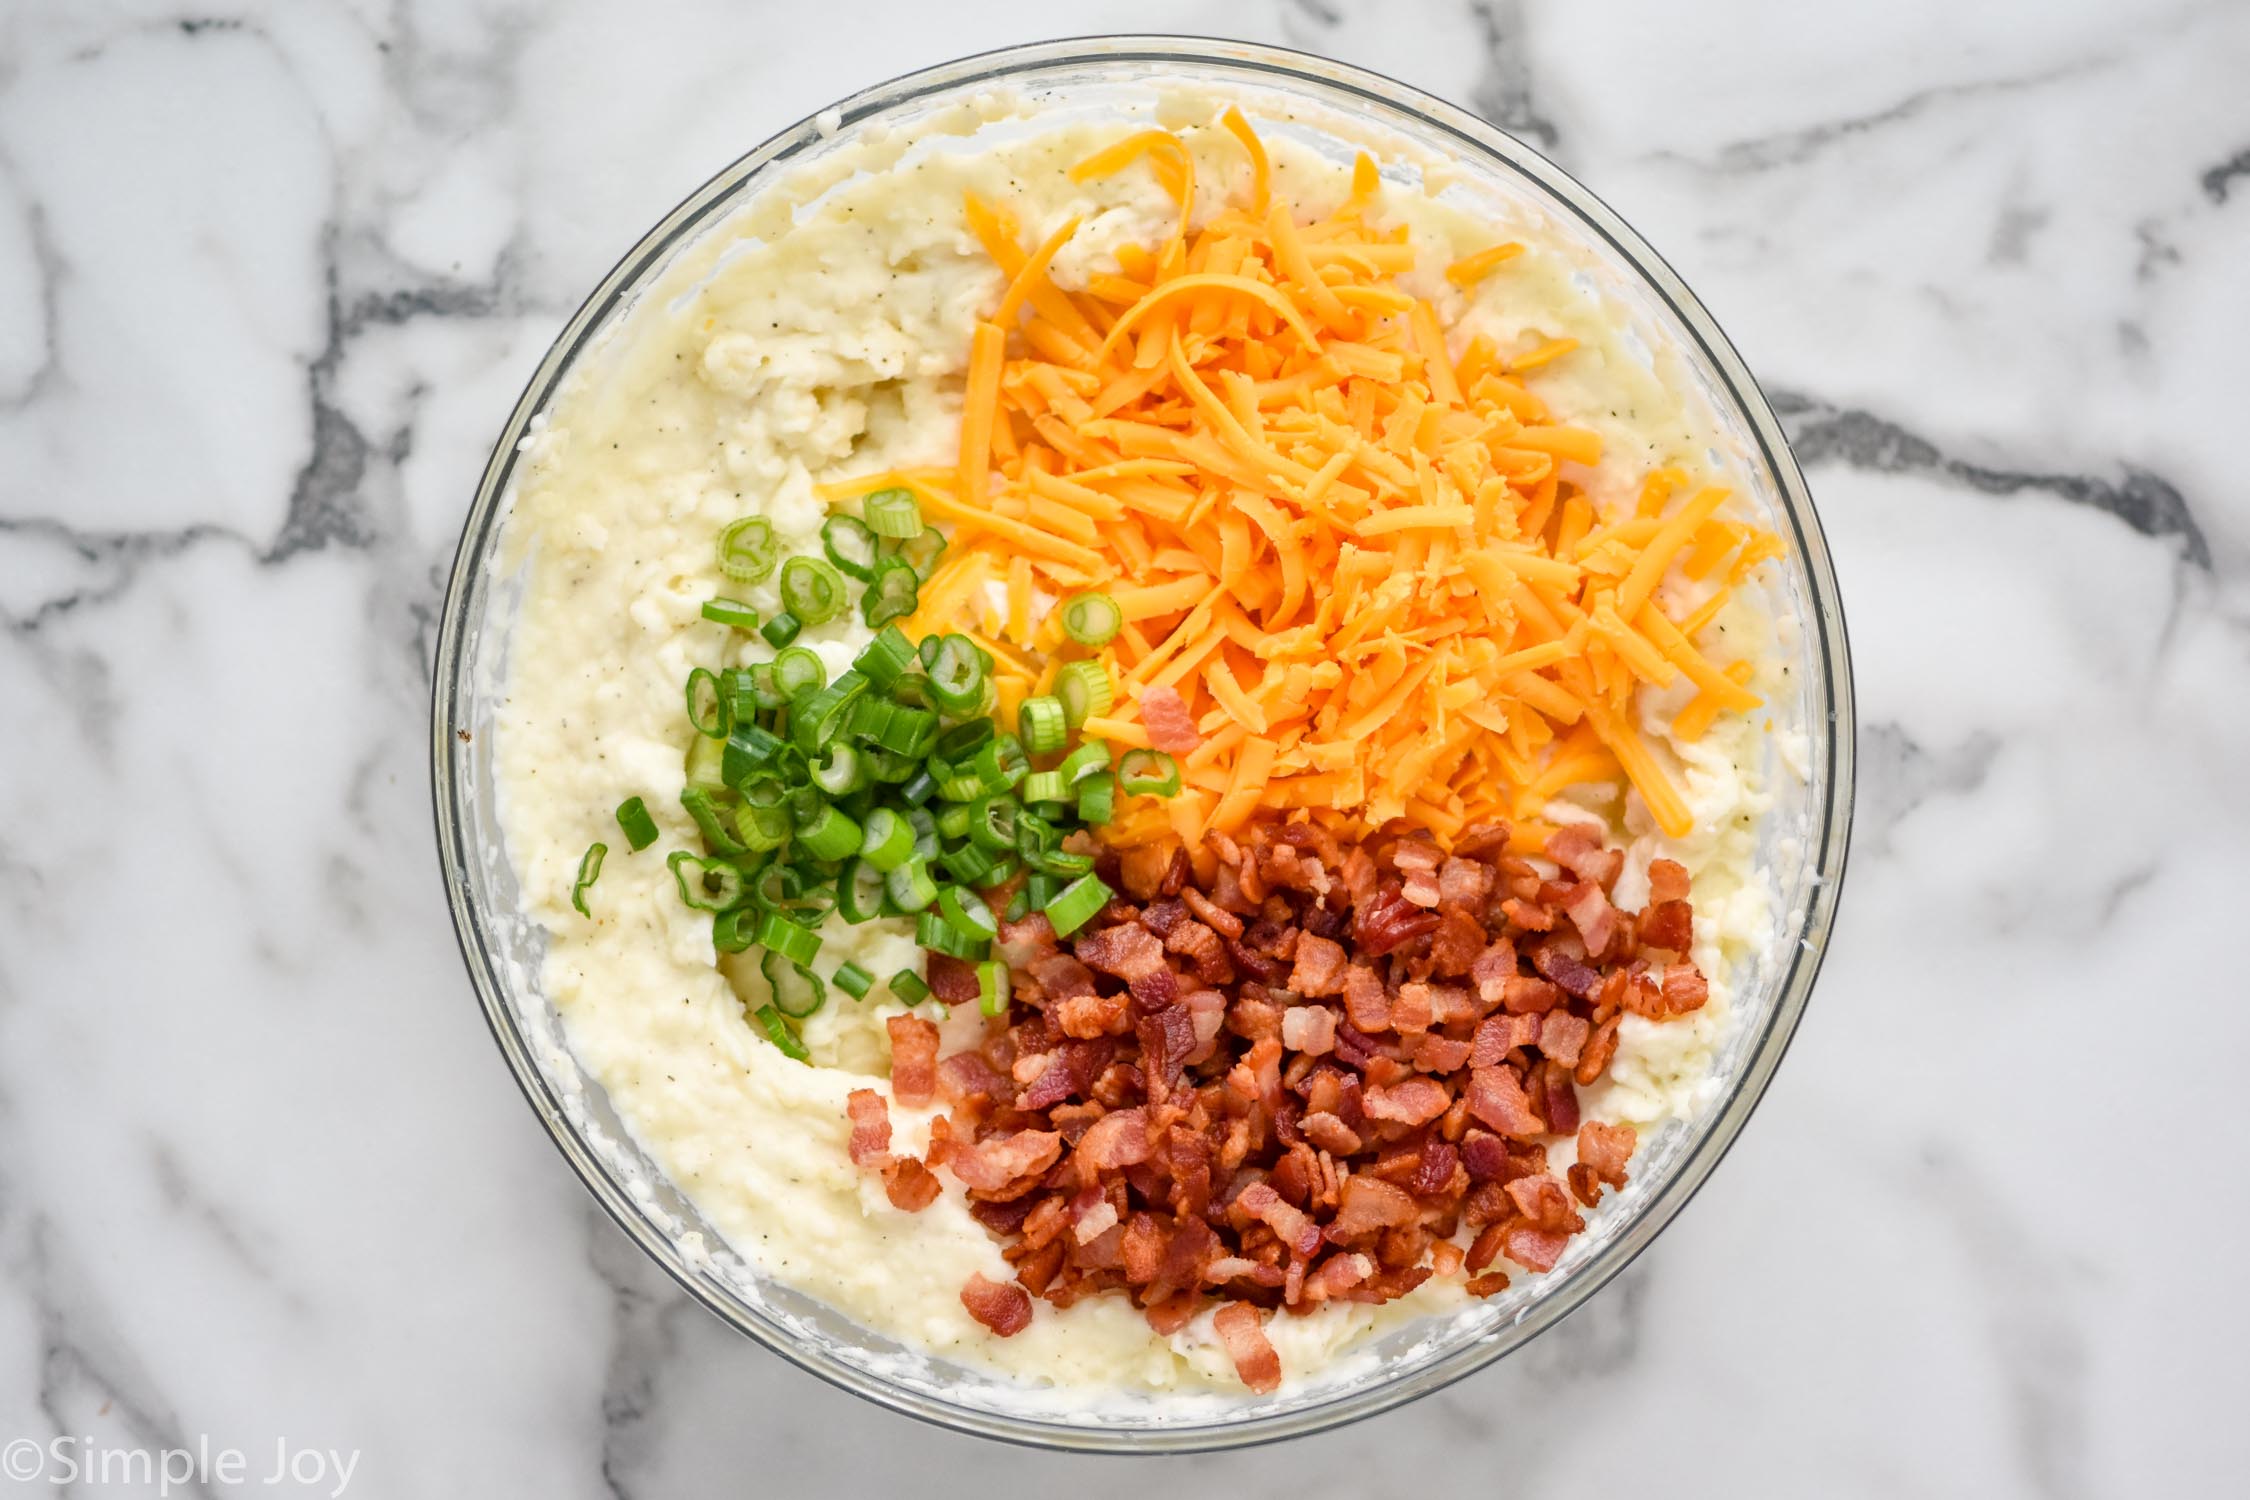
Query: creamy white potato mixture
{"x": 765, "y": 363}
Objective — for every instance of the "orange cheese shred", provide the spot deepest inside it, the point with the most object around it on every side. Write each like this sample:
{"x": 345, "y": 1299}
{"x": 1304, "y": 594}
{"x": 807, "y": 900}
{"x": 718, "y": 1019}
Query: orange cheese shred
{"x": 1369, "y": 568}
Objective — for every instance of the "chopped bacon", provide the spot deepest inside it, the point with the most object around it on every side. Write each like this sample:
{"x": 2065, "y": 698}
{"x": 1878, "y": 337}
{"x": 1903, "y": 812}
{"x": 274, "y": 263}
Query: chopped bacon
{"x": 1310, "y": 1029}
{"x": 1562, "y": 1036}
{"x": 1666, "y": 925}
{"x": 1581, "y": 849}
{"x": 1411, "y": 1101}
{"x": 1369, "y": 1204}
{"x": 951, "y": 980}
{"x": 1001, "y": 1306}
{"x": 1243, "y": 1332}
{"x": 1667, "y": 881}
{"x": 1497, "y": 1098}
{"x": 1606, "y": 1149}
{"x": 910, "y": 1185}
{"x": 1290, "y": 1224}
{"x": 1315, "y": 1071}
{"x": 914, "y": 1046}
{"x": 1589, "y": 910}
{"x": 1119, "y": 1139}
{"x": 997, "y": 1164}
{"x": 1170, "y": 726}
{"x": 1365, "y": 1004}
{"x": 871, "y": 1128}
{"x": 1321, "y": 966}
{"x": 1128, "y": 950}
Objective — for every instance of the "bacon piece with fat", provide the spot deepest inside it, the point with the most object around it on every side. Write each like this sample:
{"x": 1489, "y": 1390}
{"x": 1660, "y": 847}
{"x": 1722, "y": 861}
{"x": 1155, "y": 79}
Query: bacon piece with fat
{"x": 1001, "y": 1306}
{"x": 1243, "y": 1331}
{"x": 871, "y": 1128}
{"x": 1170, "y": 726}
{"x": 914, "y": 1049}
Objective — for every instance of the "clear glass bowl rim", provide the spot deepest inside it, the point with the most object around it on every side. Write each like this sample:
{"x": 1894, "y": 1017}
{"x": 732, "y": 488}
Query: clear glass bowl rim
{"x": 1255, "y": 62}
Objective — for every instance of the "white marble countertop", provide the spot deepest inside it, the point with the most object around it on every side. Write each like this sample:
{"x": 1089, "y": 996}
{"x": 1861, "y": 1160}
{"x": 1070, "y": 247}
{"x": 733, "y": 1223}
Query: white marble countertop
{"x": 271, "y": 275}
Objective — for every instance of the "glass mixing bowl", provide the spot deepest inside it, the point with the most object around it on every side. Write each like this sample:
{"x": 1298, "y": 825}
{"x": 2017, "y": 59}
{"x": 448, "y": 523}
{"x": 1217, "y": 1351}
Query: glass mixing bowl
{"x": 1802, "y": 847}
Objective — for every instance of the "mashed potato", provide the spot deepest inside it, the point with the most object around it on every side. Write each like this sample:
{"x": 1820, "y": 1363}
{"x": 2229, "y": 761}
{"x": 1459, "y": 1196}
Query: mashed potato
{"x": 761, "y": 365}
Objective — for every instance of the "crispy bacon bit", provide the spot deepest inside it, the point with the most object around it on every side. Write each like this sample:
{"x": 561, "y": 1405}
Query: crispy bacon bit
{"x": 997, "y": 1164}
{"x": 1581, "y": 849}
{"x": 1298, "y": 1079}
{"x": 1667, "y": 881}
{"x": 911, "y": 1186}
{"x": 1309, "y": 1029}
{"x": 1170, "y": 726}
{"x": 1497, "y": 1098}
{"x": 1605, "y": 1149}
{"x": 871, "y": 1128}
{"x": 914, "y": 1045}
{"x": 1410, "y": 1101}
{"x": 1001, "y": 1306}
{"x": 1243, "y": 1331}
{"x": 952, "y": 980}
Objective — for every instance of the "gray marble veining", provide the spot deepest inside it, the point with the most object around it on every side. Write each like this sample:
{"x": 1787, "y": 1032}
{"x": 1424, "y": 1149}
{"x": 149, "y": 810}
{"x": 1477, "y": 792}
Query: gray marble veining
{"x": 271, "y": 274}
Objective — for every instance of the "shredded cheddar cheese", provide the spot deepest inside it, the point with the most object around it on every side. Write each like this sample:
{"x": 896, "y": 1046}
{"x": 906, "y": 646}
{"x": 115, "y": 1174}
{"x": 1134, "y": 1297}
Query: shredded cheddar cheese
{"x": 1360, "y": 559}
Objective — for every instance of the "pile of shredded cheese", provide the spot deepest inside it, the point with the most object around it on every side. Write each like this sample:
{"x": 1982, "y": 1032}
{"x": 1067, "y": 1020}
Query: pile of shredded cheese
{"x": 1360, "y": 559}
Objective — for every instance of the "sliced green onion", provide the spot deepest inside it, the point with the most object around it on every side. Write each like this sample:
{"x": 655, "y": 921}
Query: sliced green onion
{"x": 971, "y": 864}
{"x": 1083, "y": 687}
{"x": 1042, "y": 888}
{"x": 589, "y": 871}
{"x": 854, "y": 980}
{"x": 1087, "y": 760}
{"x": 1061, "y": 862}
{"x": 839, "y": 772}
{"x": 892, "y": 513}
{"x": 957, "y": 675}
{"x": 924, "y": 824}
{"x": 718, "y": 719}
{"x": 886, "y": 658}
{"x": 909, "y": 987}
{"x": 640, "y": 828}
{"x": 992, "y": 823}
{"x": 849, "y": 545}
{"x": 910, "y": 887}
{"x": 778, "y": 1032}
{"x": 817, "y": 719}
{"x": 938, "y": 935}
{"x": 752, "y": 750}
{"x": 993, "y": 988}
{"x": 923, "y": 552}
{"x": 964, "y": 740}
{"x": 1040, "y": 722}
{"x": 702, "y": 806}
{"x": 1035, "y": 835}
{"x": 919, "y": 788}
{"x": 1074, "y": 905}
{"x": 1001, "y": 763}
{"x": 781, "y": 629}
{"x": 762, "y": 827}
{"x": 734, "y": 931}
{"x": 886, "y": 841}
{"x": 746, "y": 549}
{"x": 1092, "y": 619}
{"x": 791, "y": 940}
{"x": 965, "y": 911}
{"x": 797, "y": 671}
{"x": 706, "y": 763}
{"x": 1148, "y": 773}
{"x": 797, "y": 990}
{"x": 830, "y": 835}
{"x": 953, "y": 820}
{"x": 1003, "y": 871}
{"x": 734, "y": 612}
{"x": 888, "y": 765}
{"x": 1045, "y": 786}
{"x": 893, "y": 591}
{"x": 964, "y": 787}
{"x": 707, "y": 884}
{"x": 1019, "y": 904}
{"x": 859, "y": 891}
{"x": 1097, "y": 799}
{"x": 812, "y": 590}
